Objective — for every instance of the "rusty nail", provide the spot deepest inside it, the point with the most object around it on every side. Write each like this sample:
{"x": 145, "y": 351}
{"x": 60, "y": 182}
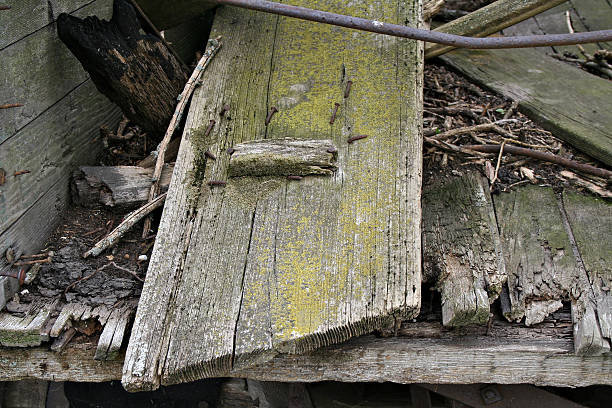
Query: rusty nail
{"x": 2, "y": 177}
{"x": 11, "y": 105}
{"x": 20, "y": 172}
{"x": 295, "y": 177}
{"x": 230, "y": 150}
{"x": 332, "y": 150}
{"x": 347, "y": 91}
{"x": 210, "y": 155}
{"x": 225, "y": 109}
{"x": 213, "y": 183}
{"x": 273, "y": 110}
{"x": 211, "y": 124}
{"x": 333, "y": 117}
{"x": 20, "y": 276}
{"x": 352, "y": 139}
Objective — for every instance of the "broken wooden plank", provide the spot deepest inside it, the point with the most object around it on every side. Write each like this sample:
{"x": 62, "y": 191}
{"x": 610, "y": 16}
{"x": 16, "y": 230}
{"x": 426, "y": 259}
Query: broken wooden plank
{"x": 462, "y": 249}
{"x": 542, "y": 268}
{"x": 72, "y": 312}
{"x": 124, "y": 187}
{"x": 283, "y": 157}
{"x": 113, "y": 333}
{"x": 590, "y": 220}
{"x": 268, "y": 265}
{"x": 25, "y": 331}
{"x": 541, "y": 91}
{"x": 488, "y": 20}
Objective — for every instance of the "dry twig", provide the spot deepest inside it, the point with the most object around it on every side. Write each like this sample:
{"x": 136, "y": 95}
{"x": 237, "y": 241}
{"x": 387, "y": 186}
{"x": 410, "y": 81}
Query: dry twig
{"x": 125, "y": 225}
{"x": 183, "y": 98}
{"x": 544, "y": 156}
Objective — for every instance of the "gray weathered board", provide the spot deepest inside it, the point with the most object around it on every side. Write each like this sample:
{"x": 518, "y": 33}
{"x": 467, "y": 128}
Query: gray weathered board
{"x": 267, "y": 265}
{"x": 544, "y": 267}
{"x": 571, "y": 103}
{"x": 52, "y": 131}
{"x": 461, "y": 248}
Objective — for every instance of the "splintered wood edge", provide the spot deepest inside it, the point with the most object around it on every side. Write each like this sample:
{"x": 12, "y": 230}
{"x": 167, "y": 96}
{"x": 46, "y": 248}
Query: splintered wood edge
{"x": 283, "y": 157}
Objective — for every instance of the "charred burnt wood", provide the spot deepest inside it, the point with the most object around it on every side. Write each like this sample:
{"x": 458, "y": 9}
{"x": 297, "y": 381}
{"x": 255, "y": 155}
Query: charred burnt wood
{"x": 136, "y": 71}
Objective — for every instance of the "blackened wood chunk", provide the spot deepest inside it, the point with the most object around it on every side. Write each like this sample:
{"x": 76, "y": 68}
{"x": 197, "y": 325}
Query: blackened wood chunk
{"x": 134, "y": 70}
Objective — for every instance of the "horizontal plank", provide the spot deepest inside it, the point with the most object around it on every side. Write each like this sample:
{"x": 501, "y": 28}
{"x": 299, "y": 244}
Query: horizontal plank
{"x": 542, "y": 92}
{"x": 28, "y": 16}
{"x": 38, "y": 71}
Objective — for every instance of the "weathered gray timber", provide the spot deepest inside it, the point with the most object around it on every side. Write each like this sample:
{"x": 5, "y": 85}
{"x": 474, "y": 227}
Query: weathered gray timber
{"x": 125, "y": 187}
{"x": 590, "y": 220}
{"x": 560, "y": 97}
{"x": 267, "y": 265}
{"x": 462, "y": 249}
{"x": 489, "y": 19}
{"x": 54, "y": 129}
{"x": 25, "y": 331}
{"x": 423, "y": 352}
{"x": 544, "y": 267}
{"x": 114, "y": 331}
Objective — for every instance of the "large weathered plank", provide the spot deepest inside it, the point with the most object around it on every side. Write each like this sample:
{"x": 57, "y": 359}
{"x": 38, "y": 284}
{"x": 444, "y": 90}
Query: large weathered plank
{"x": 28, "y": 16}
{"x": 590, "y": 220}
{"x": 542, "y": 93}
{"x": 38, "y": 71}
{"x": 462, "y": 250}
{"x": 269, "y": 265}
{"x": 25, "y": 331}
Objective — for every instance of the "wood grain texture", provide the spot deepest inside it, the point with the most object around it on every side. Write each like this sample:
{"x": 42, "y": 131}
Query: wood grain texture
{"x": 283, "y": 157}
{"x": 423, "y": 352}
{"x": 462, "y": 248}
{"x": 259, "y": 267}
{"x": 542, "y": 88}
{"x": 25, "y": 331}
{"x": 124, "y": 187}
{"x": 113, "y": 334}
{"x": 27, "y": 16}
{"x": 488, "y": 20}
{"x": 541, "y": 267}
{"x": 542, "y": 93}
{"x": 590, "y": 221}
{"x": 52, "y": 73}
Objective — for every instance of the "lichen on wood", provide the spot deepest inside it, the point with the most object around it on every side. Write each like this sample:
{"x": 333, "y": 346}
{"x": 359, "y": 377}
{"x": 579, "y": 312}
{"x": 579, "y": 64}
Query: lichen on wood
{"x": 283, "y": 157}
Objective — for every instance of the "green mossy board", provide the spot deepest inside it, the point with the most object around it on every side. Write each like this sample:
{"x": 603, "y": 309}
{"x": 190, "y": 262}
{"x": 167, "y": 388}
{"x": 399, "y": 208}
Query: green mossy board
{"x": 266, "y": 265}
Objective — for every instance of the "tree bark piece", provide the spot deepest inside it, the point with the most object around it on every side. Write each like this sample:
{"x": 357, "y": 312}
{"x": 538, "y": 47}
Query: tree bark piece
{"x": 283, "y": 157}
{"x": 135, "y": 71}
{"x": 462, "y": 249}
{"x": 489, "y": 19}
{"x": 282, "y": 266}
{"x": 124, "y": 187}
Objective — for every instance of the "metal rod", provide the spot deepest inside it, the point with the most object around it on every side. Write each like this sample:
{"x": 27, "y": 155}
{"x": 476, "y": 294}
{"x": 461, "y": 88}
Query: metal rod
{"x": 396, "y": 30}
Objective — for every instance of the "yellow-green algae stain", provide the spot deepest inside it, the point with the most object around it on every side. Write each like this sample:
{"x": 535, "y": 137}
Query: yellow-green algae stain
{"x": 311, "y": 65}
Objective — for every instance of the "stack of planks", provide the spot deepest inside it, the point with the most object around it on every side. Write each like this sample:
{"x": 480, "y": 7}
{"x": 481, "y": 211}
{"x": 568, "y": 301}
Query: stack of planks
{"x": 248, "y": 267}
{"x": 54, "y": 129}
{"x": 37, "y": 324}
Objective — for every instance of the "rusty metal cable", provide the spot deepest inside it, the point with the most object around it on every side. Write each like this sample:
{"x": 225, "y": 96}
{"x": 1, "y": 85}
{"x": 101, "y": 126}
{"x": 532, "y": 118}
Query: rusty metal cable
{"x": 396, "y": 30}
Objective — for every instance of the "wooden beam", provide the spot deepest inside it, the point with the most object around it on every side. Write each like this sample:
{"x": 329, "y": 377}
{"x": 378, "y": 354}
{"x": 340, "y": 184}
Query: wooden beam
{"x": 488, "y": 20}
{"x": 266, "y": 265}
{"x": 462, "y": 249}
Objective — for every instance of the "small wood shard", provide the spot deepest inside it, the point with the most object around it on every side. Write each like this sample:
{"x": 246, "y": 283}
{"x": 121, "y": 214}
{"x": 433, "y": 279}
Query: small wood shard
{"x": 282, "y": 157}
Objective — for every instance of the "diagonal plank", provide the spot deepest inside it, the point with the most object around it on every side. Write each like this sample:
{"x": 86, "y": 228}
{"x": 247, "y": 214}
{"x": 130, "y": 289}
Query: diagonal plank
{"x": 267, "y": 265}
